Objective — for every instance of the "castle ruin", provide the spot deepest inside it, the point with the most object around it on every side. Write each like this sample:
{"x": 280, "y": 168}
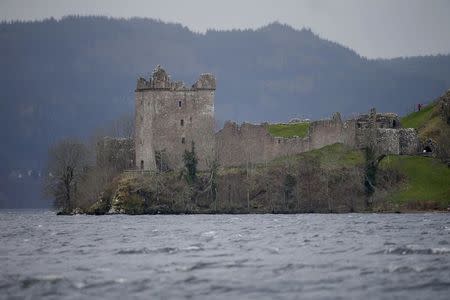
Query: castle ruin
{"x": 170, "y": 118}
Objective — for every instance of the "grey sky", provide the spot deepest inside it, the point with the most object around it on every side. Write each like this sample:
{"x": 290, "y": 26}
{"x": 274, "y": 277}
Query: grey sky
{"x": 374, "y": 28}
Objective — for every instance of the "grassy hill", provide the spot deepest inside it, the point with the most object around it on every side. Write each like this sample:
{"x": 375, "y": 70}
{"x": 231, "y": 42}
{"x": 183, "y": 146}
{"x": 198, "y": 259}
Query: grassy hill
{"x": 428, "y": 122}
{"x": 330, "y": 157}
{"x": 426, "y": 185}
{"x": 425, "y": 182}
{"x": 431, "y": 125}
{"x": 289, "y": 130}
{"x": 419, "y": 118}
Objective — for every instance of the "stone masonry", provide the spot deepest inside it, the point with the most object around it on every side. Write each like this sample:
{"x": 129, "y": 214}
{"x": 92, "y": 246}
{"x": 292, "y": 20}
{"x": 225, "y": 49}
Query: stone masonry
{"x": 251, "y": 143}
{"x": 170, "y": 117}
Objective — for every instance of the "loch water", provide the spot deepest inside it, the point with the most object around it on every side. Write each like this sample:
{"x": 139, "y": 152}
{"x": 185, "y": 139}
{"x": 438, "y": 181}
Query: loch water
{"x": 305, "y": 256}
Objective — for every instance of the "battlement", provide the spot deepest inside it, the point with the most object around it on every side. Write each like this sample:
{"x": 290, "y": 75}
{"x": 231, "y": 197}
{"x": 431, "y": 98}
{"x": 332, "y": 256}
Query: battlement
{"x": 206, "y": 81}
{"x": 170, "y": 117}
{"x": 160, "y": 80}
{"x": 378, "y": 120}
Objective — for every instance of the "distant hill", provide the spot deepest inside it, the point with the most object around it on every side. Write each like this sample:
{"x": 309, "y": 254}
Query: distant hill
{"x": 68, "y": 77}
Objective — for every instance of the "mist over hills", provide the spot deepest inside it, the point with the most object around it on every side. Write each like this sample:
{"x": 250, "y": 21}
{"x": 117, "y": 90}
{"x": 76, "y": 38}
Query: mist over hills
{"x": 69, "y": 77}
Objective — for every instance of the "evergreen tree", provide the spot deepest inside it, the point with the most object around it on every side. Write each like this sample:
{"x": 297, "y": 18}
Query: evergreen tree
{"x": 190, "y": 164}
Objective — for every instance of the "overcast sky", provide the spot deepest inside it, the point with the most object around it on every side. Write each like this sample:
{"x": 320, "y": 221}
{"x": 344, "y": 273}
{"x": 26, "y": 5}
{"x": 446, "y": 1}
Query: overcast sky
{"x": 374, "y": 28}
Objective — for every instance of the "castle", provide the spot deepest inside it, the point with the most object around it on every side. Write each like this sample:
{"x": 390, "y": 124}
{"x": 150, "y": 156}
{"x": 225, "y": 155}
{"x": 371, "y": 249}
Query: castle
{"x": 171, "y": 117}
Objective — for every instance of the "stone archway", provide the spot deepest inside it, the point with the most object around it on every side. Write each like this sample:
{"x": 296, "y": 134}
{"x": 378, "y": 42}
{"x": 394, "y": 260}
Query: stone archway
{"x": 429, "y": 147}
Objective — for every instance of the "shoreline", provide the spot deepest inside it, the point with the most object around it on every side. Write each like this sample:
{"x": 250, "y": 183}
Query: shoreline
{"x": 447, "y": 211}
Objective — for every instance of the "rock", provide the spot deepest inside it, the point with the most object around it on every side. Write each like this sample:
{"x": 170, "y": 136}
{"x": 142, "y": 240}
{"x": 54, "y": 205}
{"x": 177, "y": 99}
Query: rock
{"x": 77, "y": 211}
{"x": 126, "y": 200}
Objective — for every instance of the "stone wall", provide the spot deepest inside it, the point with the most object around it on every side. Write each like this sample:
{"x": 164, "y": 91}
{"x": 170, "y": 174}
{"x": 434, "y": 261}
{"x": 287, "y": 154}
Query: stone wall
{"x": 250, "y": 143}
{"x": 409, "y": 141}
{"x": 444, "y": 103}
{"x": 330, "y": 131}
{"x": 170, "y": 117}
{"x": 379, "y": 120}
{"x": 387, "y": 141}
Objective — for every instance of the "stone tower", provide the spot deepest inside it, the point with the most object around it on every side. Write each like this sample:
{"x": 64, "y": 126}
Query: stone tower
{"x": 170, "y": 117}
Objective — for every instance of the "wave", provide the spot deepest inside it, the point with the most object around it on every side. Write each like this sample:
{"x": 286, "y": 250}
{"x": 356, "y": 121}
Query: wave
{"x": 408, "y": 250}
{"x": 169, "y": 250}
{"x": 28, "y": 282}
{"x": 145, "y": 250}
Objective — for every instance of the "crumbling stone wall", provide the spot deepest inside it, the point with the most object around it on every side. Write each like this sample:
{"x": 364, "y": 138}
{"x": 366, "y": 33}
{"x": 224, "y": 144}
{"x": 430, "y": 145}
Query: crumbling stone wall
{"x": 378, "y": 120}
{"x": 409, "y": 141}
{"x": 331, "y": 131}
{"x": 402, "y": 141}
{"x": 387, "y": 141}
{"x": 444, "y": 104}
{"x": 249, "y": 143}
{"x": 170, "y": 117}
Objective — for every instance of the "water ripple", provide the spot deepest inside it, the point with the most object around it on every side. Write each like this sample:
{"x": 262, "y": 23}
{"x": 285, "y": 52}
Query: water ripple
{"x": 357, "y": 256}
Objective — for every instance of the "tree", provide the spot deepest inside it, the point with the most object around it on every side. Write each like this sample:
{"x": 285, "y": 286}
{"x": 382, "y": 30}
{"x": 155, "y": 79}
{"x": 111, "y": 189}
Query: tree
{"x": 190, "y": 164}
{"x": 213, "y": 171}
{"x": 370, "y": 170}
{"x": 308, "y": 182}
{"x": 67, "y": 163}
{"x": 289, "y": 184}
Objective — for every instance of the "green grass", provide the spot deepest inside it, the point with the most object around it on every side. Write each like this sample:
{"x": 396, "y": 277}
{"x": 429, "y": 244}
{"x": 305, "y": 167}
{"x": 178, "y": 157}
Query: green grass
{"x": 429, "y": 124}
{"x": 337, "y": 155}
{"x": 427, "y": 179}
{"x": 419, "y": 118}
{"x": 331, "y": 156}
{"x": 289, "y": 130}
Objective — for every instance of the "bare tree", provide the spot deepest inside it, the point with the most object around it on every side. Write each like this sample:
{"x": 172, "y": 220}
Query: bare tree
{"x": 123, "y": 126}
{"x": 91, "y": 186}
{"x": 309, "y": 176}
{"x": 67, "y": 163}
